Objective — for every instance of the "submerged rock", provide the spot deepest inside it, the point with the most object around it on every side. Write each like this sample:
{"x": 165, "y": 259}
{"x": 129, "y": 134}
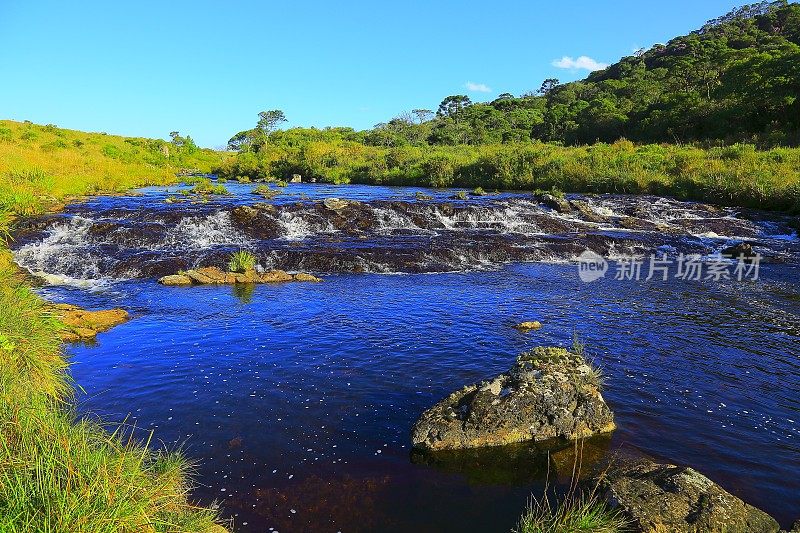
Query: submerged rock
{"x": 217, "y": 276}
{"x": 82, "y": 325}
{"x": 548, "y": 393}
{"x": 663, "y": 497}
{"x": 529, "y": 325}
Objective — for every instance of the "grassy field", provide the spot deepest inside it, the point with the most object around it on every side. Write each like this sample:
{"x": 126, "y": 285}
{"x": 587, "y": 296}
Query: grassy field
{"x": 60, "y": 473}
{"x": 732, "y": 175}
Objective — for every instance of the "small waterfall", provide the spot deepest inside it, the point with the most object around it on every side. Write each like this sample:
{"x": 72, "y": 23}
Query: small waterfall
{"x": 297, "y": 226}
{"x": 66, "y": 255}
{"x": 386, "y": 236}
{"x": 203, "y": 232}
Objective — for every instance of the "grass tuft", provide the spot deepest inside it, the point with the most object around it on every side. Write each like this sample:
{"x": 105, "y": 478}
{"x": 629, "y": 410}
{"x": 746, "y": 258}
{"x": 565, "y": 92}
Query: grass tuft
{"x": 241, "y": 261}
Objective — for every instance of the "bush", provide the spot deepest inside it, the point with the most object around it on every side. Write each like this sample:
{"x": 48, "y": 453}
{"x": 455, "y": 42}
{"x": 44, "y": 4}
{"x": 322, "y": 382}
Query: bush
{"x": 204, "y": 186}
{"x": 241, "y": 261}
{"x": 266, "y": 191}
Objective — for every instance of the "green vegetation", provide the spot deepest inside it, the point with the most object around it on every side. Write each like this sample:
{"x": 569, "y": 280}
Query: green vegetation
{"x": 579, "y": 509}
{"x": 204, "y": 186}
{"x": 735, "y": 80}
{"x": 266, "y": 191}
{"x": 241, "y": 261}
{"x": 577, "y": 512}
{"x": 58, "y": 472}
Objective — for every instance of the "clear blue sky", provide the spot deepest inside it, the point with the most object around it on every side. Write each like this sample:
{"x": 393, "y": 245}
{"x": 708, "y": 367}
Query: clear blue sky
{"x": 207, "y": 68}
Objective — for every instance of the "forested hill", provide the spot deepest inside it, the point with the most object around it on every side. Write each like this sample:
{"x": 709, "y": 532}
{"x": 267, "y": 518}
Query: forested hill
{"x": 735, "y": 79}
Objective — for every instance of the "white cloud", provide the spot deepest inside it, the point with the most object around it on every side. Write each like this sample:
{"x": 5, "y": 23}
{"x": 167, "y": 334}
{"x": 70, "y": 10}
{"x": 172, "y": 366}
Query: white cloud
{"x": 477, "y": 87}
{"x": 582, "y": 62}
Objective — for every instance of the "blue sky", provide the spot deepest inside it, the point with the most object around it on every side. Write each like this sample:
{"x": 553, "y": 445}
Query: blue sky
{"x": 207, "y": 68}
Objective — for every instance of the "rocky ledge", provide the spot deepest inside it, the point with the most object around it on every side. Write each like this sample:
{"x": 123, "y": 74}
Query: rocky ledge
{"x": 664, "y": 497}
{"x": 217, "y": 276}
{"x": 548, "y": 393}
{"x": 83, "y": 325}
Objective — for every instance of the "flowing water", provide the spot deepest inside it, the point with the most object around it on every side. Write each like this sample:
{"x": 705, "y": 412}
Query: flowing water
{"x": 297, "y": 399}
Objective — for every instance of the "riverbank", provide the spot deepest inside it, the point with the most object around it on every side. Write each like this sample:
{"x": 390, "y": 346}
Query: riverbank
{"x": 56, "y": 468}
{"x": 736, "y": 175}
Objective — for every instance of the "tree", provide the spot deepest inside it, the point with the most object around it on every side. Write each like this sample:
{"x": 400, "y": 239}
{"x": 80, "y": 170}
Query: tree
{"x": 548, "y": 85}
{"x": 268, "y": 121}
{"x": 423, "y": 115}
{"x": 241, "y": 141}
{"x": 453, "y": 105}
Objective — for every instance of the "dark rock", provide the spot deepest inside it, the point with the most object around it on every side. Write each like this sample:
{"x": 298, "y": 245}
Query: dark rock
{"x": 548, "y": 393}
{"x": 662, "y": 497}
{"x": 586, "y": 212}
{"x": 555, "y": 203}
{"x": 740, "y": 249}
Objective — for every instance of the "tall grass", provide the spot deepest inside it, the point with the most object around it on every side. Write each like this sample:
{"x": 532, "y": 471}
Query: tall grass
{"x": 578, "y": 510}
{"x": 59, "y": 473}
{"x": 731, "y": 175}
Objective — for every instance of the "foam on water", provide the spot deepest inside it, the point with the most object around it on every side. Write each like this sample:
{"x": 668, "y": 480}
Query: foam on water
{"x": 201, "y": 232}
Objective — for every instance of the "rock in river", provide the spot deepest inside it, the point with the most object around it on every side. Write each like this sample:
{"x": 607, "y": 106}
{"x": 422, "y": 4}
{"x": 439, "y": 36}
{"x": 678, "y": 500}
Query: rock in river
{"x": 83, "y": 325}
{"x": 662, "y": 497}
{"x": 528, "y": 325}
{"x": 217, "y": 276}
{"x": 739, "y": 249}
{"x": 335, "y": 204}
{"x": 548, "y": 393}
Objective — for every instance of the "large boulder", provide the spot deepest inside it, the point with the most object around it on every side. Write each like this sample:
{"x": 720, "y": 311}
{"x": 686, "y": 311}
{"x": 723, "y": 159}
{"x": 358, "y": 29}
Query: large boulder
{"x": 548, "y": 393}
{"x": 662, "y": 497}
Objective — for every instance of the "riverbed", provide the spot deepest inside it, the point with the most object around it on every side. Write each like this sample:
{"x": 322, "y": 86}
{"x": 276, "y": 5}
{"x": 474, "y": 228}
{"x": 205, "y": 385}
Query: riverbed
{"x": 297, "y": 399}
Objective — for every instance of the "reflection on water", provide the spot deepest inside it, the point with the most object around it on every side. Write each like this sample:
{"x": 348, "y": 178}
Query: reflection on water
{"x": 298, "y": 399}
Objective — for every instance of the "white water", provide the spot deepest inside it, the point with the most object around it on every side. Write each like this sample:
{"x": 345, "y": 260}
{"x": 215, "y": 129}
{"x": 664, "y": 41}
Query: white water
{"x": 198, "y": 233}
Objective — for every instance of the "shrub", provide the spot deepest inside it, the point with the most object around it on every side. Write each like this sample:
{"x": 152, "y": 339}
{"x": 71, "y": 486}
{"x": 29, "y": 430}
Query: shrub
{"x": 241, "y": 261}
{"x": 266, "y": 191}
{"x": 204, "y": 186}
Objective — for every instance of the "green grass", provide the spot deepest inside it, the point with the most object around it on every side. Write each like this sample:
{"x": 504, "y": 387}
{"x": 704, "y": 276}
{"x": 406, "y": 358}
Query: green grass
{"x": 266, "y": 191}
{"x": 577, "y": 512}
{"x": 241, "y": 261}
{"x": 205, "y": 186}
{"x": 731, "y": 175}
{"x": 60, "y": 473}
